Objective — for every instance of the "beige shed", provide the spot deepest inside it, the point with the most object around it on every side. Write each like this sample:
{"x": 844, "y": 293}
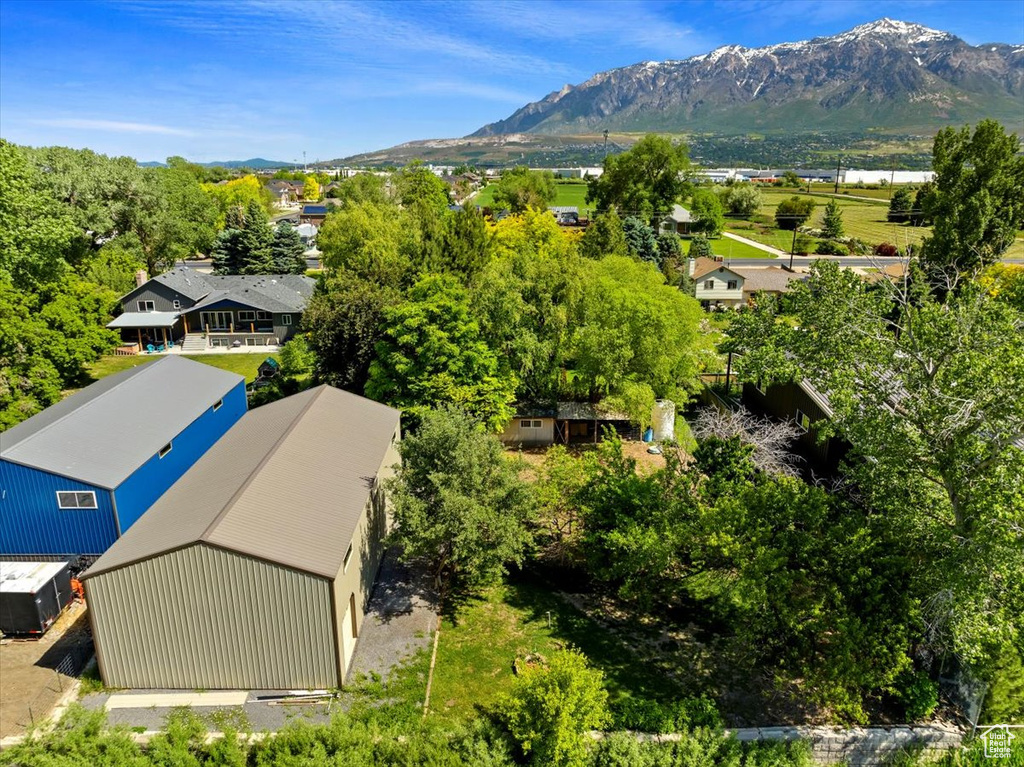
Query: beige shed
{"x": 253, "y": 570}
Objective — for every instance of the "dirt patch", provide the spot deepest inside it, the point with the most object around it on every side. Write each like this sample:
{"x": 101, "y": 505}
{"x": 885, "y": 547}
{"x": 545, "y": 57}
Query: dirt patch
{"x": 35, "y": 673}
{"x": 645, "y": 462}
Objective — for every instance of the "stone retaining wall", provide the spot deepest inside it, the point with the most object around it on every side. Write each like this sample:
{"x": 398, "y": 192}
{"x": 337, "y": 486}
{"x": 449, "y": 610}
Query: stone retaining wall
{"x": 862, "y": 746}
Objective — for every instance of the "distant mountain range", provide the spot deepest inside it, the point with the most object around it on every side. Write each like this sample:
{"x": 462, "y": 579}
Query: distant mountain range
{"x": 888, "y": 76}
{"x": 256, "y": 163}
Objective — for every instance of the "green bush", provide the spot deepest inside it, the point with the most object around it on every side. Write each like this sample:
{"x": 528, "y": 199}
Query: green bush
{"x": 1004, "y": 700}
{"x": 550, "y": 710}
{"x": 831, "y": 248}
{"x": 918, "y": 694}
{"x": 644, "y": 715}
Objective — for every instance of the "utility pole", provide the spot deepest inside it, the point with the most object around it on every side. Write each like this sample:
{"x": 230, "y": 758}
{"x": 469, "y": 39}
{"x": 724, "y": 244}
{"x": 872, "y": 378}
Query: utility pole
{"x": 839, "y": 164}
{"x": 305, "y": 168}
{"x": 792, "y": 248}
{"x": 605, "y": 142}
{"x": 892, "y": 176}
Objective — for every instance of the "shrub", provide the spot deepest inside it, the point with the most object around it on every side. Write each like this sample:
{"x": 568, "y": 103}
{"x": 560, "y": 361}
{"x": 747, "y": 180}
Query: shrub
{"x": 831, "y": 248}
{"x": 886, "y": 250}
{"x": 793, "y": 212}
{"x": 918, "y": 694}
{"x": 646, "y": 715}
{"x": 549, "y": 711}
{"x": 700, "y": 247}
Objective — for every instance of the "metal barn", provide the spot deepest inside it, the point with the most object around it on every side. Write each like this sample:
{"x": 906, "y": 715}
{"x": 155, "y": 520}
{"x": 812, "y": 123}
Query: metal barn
{"x": 253, "y": 570}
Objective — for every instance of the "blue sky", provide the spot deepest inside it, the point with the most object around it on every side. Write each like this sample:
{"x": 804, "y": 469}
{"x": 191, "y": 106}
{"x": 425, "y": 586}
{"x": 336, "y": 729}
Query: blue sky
{"x": 218, "y": 80}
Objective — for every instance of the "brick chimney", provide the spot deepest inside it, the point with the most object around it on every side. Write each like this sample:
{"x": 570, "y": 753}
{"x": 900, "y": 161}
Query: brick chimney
{"x": 141, "y": 278}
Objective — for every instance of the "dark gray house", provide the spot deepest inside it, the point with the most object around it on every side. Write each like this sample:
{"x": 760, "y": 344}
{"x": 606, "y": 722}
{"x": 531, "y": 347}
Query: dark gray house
{"x": 202, "y": 310}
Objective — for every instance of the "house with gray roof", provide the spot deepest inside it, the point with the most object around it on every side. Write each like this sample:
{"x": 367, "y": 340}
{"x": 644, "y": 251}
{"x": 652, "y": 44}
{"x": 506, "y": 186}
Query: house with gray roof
{"x": 78, "y": 475}
{"x": 263, "y": 555}
{"x": 200, "y": 310}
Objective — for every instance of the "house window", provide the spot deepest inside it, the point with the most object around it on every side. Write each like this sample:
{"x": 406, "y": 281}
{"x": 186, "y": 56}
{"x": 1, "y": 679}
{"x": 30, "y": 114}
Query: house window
{"x": 709, "y": 285}
{"x": 536, "y": 424}
{"x": 263, "y": 315}
{"x": 165, "y": 449}
{"x": 732, "y": 284}
{"x": 348, "y": 556}
{"x": 802, "y": 420}
{"x": 176, "y": 304}
{"x": 246, "y": 316}
{"x": 217, "y": 404}
{"x": 74, "y": 499}
{"x": 146, "y": 306}
{"x": 286, "y": 319}
{"x": 525, "y": 424}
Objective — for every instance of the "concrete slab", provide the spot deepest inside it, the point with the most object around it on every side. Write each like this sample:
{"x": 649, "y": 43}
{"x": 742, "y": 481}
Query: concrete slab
{"x": 174, "y": 699}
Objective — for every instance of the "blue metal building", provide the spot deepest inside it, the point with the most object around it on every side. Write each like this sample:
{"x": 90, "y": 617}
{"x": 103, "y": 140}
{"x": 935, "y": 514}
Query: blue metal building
{"x": 76, "y": 476}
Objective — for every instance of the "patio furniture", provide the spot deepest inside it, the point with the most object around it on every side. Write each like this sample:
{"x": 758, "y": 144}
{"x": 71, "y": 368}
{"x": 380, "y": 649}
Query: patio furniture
{"x": 150, "y": 349}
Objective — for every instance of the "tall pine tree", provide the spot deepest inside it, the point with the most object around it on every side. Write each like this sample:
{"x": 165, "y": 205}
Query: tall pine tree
{"x": 228, "y": 252}
{"x": 257, "y": 241}
{"x": 288, "y": 250}
{"x": 832, "y": 222}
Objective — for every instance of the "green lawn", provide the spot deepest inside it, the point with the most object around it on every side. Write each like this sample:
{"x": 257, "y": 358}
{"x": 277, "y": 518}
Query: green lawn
{"x": 723, "y": 246}
{"x": 243, "y": 364}
{"x": 571, "y": 195}
{"x": 475, "y": 655}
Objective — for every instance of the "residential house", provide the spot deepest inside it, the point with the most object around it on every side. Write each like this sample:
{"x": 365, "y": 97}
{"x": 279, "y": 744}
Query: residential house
{"x": 716, "y": 286}
{"x": 78, "y": 475}
{"x": 678, "y": 222}
{"x": 254, "y": 570}
{"x": 772, "y": 280}
{"x": 208, "y": 310}
{"x": 313, "y": 214}
{"x": 805, "y": 405}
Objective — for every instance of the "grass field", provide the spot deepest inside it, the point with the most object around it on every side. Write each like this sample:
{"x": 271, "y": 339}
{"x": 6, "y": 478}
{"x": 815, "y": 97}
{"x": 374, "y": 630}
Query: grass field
{"x": 475, "y": 654}
{"x": 727, "y": 248}
{"x": 570, "y": 195}
{"x": 243, "y": 364}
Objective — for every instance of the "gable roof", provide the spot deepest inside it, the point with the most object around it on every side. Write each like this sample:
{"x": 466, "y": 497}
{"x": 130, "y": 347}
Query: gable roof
{"x": 103, "y": 433}
{"x": 679, "y": 214}
{"x": 287, "y": 484}
{"x": 704, "y": 266}
{"x": 266, "y": 292}
{"x": 770, "y": 278}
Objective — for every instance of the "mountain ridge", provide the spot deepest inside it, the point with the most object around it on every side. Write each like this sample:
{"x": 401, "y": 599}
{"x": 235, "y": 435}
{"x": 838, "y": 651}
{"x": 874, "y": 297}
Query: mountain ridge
{"x": 887, "y": 74}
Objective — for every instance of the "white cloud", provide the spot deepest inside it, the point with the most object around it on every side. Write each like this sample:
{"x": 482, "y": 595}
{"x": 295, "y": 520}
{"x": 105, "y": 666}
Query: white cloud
{"x": 112, "y": 126}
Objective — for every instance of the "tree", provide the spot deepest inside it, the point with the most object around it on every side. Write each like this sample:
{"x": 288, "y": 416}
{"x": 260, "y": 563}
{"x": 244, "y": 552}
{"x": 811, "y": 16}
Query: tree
{"x": 228, "y": 254}
{"x": 467, "y": 244}
{"x": 630, "y": 327}
{"x": 742, "y": 200}
{"x": 521, "y": 188}
{"x": 708, "y": 218}
{"x": 344, "y": 321}
{"x": 641, "y": 241}
{"x": 458, "y": 503}
{"x": 362, "y": 187}
{"x": 604, "y": 237}
{"x": 790, "y": 178}
{"x": 931, "y": 394}
{"x": 832, "y": 221}
{"x": 432, "y": 352}
{"x": 644, "y": 181}
{"x": 923, "y": 202}
{"x": 551, "y": 709}
{"x": 900, "y": 206}
{"x": 238, "y": 193}
{"x": 416, "y": 183}
{"x": 700, "y": 247}
{"x": 287, "y": 250}
{"x": 524, "y": 300}
{"x": 794, "y": 212}
{"x": 977, "y": 201}
{"x": 257, "y": 241}
{"x": 310, "y": 189}
{"x": 367, "y": 240}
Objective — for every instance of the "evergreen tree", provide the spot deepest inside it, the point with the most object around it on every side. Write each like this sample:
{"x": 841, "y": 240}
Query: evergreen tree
{"x": 832, "y": 222}
{"x": 641, "y": 240}
{"x": 228, "y": 252}
{"x": 700, "y": 247}
{"x": 288, "y": 250}
{"x": 900, "y": 206}
{"x": 257, "y": 241}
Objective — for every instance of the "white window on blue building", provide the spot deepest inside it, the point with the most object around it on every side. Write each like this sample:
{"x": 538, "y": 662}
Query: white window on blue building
{"x": 76, "y": 499}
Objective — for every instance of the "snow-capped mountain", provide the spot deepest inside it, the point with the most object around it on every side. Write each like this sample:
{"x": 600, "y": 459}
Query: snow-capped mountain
{"x": 886, "y": 74}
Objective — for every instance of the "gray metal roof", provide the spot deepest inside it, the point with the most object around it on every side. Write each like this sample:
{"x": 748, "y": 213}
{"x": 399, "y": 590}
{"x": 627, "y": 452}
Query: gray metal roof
{"x": 103, "y": 433}
{"x": 287, "y": 484}
{"x": 771, "y": 279}
{"x": 182, "y": 280}
{"x": 144, "y": 320}
{"x": 585, "y": 411}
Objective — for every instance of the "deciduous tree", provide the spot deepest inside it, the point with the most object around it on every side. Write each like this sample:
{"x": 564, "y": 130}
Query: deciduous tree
{"x": 794, "y": 212}
{"x": 458, "y": 503}
{"x": 708, "y": 218}
{"x": 646, "y": 180}
{"x": 521, "y": 188}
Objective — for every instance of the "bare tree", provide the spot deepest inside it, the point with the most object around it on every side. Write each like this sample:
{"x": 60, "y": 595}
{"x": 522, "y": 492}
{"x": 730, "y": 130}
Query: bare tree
{"x": 771, "y": 439}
